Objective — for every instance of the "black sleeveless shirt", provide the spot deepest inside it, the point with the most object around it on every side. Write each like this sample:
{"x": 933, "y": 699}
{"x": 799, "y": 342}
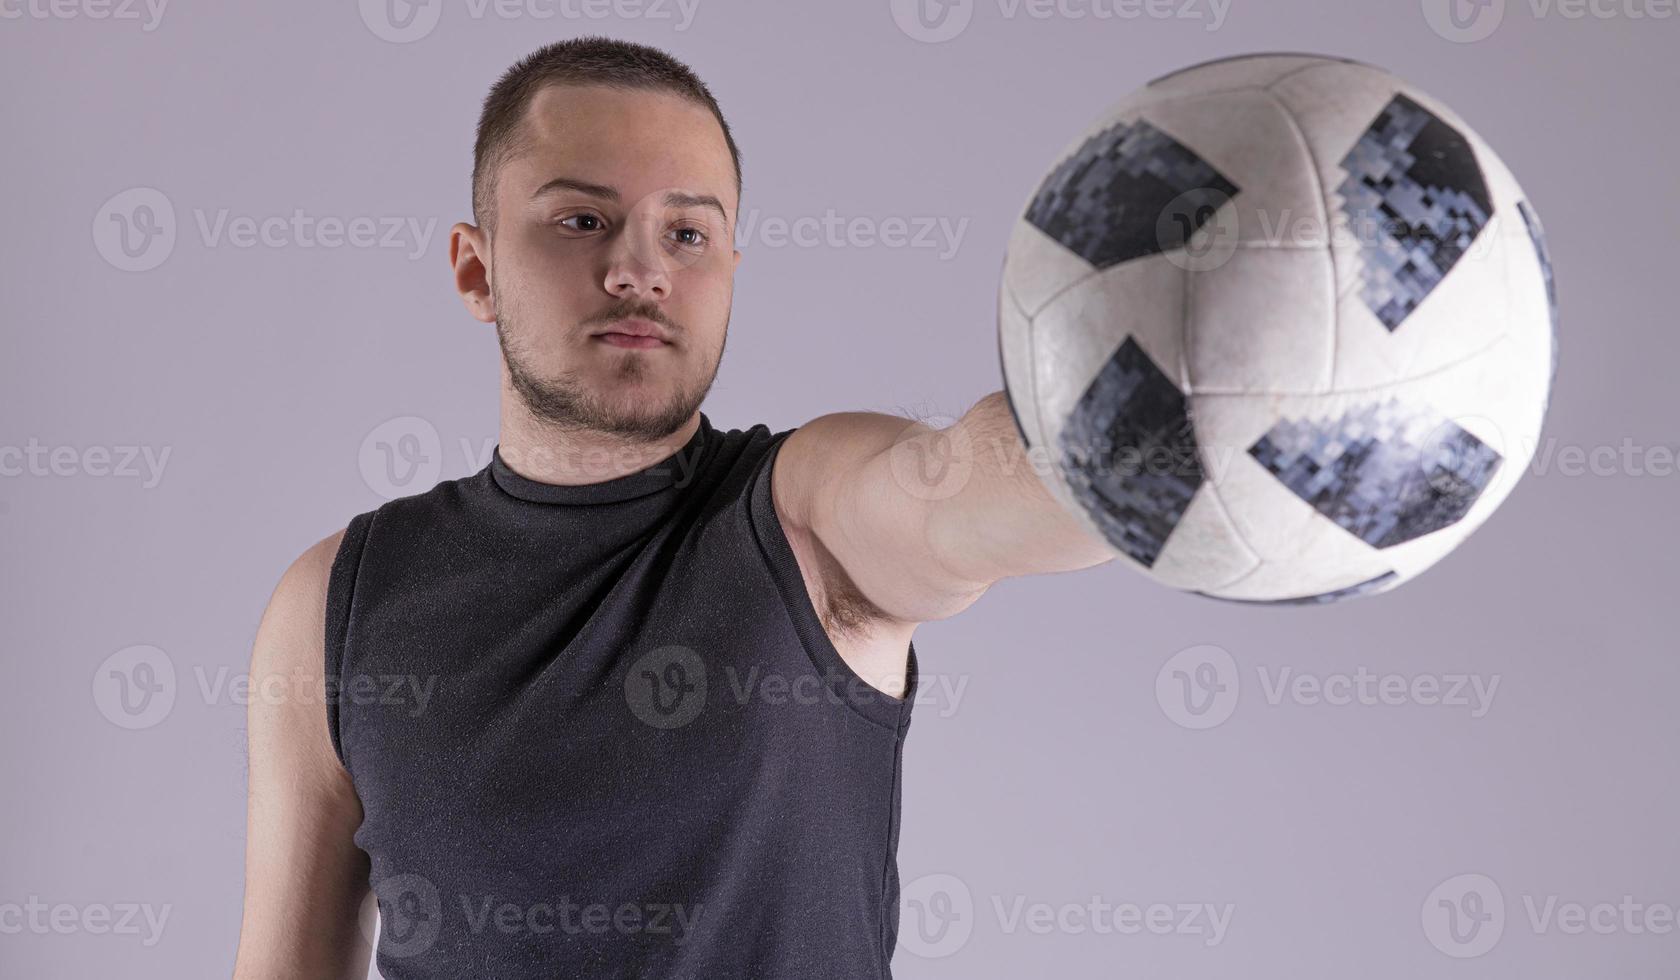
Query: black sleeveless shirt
{"x": 599, "y": 731}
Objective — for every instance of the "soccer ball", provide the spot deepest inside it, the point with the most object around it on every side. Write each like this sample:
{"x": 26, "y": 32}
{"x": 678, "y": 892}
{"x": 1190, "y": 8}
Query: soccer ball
{"x": 1283, "y": 327}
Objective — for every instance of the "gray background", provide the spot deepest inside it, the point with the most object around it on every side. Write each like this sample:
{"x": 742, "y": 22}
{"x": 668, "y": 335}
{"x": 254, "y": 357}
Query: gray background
{"x": 1057, "y": 775}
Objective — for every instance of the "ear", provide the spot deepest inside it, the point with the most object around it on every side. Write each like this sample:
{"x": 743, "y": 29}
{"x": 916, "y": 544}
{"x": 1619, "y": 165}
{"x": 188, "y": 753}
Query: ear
{"x": 469, "y": 258}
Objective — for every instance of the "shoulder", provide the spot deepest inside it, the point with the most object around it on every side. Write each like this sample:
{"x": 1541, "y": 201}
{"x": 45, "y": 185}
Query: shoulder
{"x": 300, "y": 598}
{"x": 288, "y": 654}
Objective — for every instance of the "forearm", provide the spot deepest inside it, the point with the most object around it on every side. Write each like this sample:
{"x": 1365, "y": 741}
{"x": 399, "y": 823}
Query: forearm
{"x": 989, "y": 514}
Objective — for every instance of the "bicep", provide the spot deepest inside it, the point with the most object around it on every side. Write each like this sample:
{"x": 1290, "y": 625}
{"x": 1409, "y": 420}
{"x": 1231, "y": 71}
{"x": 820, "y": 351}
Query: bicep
{"x": 305, "y": 879}
{"x": 866, "y": 486}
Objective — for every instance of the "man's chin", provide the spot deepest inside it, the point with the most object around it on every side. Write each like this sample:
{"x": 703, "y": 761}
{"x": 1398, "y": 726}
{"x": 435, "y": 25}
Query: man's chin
{"x": 640, "y": 410}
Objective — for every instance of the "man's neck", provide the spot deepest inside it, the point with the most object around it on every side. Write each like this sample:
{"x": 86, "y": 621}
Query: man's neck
{"x": 547, "y": 453}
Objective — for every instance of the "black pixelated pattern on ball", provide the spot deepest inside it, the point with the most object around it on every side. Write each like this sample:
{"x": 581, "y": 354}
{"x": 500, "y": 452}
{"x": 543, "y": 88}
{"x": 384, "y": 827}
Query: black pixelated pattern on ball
{"x": 1385, "y": 472}
{"x": 1129, "y": 453}
{"x": 1416, "y": 199}
{"x": 1537, "y": 234}
{"x": 1108, "y": 202}
{"x": 1370, "y": 586}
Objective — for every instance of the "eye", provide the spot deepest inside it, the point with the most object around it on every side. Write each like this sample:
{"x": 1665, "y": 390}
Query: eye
{"x": 695, "y": 238}
{"x": 587, "y": 221}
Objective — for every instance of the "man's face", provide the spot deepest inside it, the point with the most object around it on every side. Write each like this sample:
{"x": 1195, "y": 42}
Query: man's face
{"x": 614, "y": 220}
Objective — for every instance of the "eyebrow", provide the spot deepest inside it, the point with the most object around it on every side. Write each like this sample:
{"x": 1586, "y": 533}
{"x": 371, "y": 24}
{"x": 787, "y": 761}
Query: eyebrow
{"x": 673, "y": 199}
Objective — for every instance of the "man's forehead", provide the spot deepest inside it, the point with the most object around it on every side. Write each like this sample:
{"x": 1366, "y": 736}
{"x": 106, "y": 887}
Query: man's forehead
{"x": 609, "y": 133}
{"x": 564, "y": 104}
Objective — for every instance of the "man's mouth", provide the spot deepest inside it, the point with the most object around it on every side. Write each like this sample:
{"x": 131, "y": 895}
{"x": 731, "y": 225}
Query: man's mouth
{"x": 634, "y": 333}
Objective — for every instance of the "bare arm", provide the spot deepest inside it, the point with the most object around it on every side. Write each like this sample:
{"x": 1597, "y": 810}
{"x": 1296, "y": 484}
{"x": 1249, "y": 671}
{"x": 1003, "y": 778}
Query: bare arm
{"x": 924, "y": 520}
{"x": 305, "y": 879}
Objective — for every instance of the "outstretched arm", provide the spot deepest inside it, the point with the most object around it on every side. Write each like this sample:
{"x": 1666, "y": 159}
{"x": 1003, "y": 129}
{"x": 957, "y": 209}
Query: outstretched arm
{"x": 924, "y": 520}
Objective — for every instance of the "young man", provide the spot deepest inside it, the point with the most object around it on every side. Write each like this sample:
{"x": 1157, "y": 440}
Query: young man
{"x": 630, "y": 701}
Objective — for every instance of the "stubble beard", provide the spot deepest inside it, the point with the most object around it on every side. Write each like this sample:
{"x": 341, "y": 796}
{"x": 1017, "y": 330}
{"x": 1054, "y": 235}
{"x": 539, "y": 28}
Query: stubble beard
{"x": 566, "y": 402}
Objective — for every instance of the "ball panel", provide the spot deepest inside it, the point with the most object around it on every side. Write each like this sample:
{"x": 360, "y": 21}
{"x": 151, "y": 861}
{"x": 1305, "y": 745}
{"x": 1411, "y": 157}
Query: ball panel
{"x": 1015, "y": 354}
{"x": 1310, "y": 579}
{"x": 1261, "y": 510}
{"x": 1386, "y": 470}
{"x": 1262, "y": 321}
{"x": 1038, "y": 267}
{"x": 1417, "y": 227}
{"x": 1128, "y": 191}
{"x": 1376, "y": 585}
{"x": 1277, "y": 200}
{"x": 1204, "y": 551}
{"x": 1463, "y": 316}
{"x": 1075, "y": 335}
{"x": 1528, "y": 283}
{"x": 1497, "y": 397}
{"x": 1503, "y": 188}
{"x": 1238, "y": 71}
{"x": 1402, "y": 473}
{"x": 1415, "y": 200}
{"x": 1076, "y": 341}
{"x": 1129, "y": 453}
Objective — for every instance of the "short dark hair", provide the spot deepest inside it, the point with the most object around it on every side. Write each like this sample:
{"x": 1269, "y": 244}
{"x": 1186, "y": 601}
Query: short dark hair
{"x": 578, "y": 61}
